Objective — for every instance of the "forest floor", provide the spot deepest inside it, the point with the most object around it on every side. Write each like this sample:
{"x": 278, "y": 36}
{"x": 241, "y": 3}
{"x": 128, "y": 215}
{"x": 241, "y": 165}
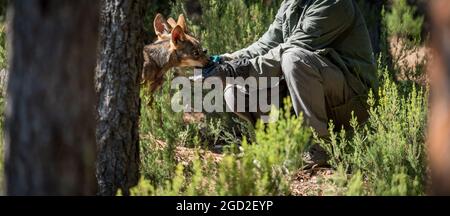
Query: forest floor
{"x": 313, "y": 182}
{"x": 304, "y": 182}
{"x": 410, "y": 60}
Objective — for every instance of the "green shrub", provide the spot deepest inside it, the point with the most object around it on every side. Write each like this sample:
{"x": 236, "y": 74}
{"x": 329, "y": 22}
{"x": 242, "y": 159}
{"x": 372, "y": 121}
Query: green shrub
{"x": 243, "y": 23}
{"x": 402, "y": 21}
{"x": 3, "y": 60}
{"x": 387, "y": 154}
{"x": 261, "y": 168}
{"x": 158, "y": 123}
{"x": 265, "y": 167}
{"x": 404, "y": 26}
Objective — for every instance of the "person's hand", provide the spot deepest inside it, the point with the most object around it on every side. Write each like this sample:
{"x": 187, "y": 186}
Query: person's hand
{"x": 222, "y": 58}
{"x": 210, "y": 69}
{"x": 222, "y": 70}
{"x": 227, "y": 57}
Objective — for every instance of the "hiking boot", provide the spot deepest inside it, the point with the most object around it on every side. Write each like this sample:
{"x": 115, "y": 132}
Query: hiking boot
{"x": 315, "y": 156}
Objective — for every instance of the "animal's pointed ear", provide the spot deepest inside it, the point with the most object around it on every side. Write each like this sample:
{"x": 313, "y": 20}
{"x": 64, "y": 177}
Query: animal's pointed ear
{"x": 177, "y": 35}
{"x": 172, "y": 22}
{"x": 160, "y": 26}
{"x": 182, "y": 23}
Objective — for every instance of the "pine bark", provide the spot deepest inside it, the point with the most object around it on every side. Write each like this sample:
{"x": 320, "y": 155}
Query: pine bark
{"x": 50, "y": 124}
{"x": 117, "y": 85}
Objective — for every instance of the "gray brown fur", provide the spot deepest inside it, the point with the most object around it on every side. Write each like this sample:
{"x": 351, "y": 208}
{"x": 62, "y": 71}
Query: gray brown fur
{"x": 174, "y": 49}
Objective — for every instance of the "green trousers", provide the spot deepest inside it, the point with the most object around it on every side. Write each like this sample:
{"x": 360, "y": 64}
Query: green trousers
{"x": 316, "y": 86}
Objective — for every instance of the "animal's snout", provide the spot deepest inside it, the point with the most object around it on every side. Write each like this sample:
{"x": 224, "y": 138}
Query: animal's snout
{"x": 205, "y": 51}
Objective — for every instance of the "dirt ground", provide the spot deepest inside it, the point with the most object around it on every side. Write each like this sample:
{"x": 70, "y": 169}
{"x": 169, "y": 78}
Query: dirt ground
{"x": 312, "y": 182}
{"x": 410, "y": 59}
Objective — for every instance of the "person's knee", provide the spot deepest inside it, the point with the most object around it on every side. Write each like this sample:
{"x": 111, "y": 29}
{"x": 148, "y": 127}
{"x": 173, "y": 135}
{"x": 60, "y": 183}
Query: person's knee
{"x": 292, "y": 60}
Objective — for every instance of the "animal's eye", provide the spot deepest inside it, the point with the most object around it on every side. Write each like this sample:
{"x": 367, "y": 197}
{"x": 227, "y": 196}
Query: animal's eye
{"x": 196, "y": 53}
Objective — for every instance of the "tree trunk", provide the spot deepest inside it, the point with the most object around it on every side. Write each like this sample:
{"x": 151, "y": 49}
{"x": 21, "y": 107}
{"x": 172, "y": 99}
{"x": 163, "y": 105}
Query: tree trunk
{"x": 50, "y": 125}
{"x": 118, "y": 83}
{"x": 439, "y": 125}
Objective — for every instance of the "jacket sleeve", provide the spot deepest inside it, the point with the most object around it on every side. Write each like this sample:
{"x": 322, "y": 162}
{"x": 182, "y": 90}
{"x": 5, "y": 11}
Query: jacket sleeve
{"x": 272, "y": 38}
{"x": 323, "y": 23}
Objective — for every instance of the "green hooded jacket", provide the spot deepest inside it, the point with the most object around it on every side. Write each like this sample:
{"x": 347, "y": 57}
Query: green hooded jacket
{"x": 333, "y": 28}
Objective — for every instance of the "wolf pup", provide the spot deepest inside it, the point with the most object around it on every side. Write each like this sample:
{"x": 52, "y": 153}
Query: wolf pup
{"x": 174, "y": 47}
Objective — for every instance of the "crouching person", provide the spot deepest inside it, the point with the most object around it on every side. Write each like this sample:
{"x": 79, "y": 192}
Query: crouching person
{"x": 321, "y": 51}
